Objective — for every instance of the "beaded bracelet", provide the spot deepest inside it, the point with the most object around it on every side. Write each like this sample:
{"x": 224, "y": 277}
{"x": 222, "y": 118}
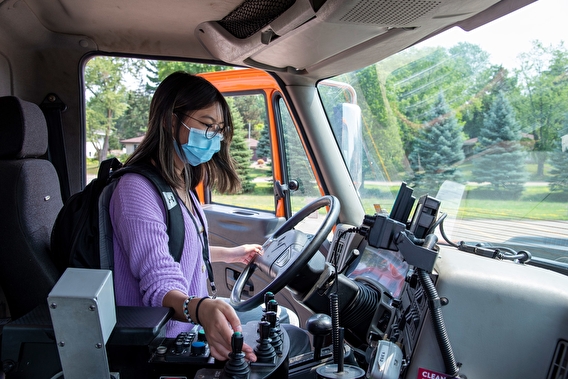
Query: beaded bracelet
{"x": 186, "y": 309}
{"x": 197, "y": 308}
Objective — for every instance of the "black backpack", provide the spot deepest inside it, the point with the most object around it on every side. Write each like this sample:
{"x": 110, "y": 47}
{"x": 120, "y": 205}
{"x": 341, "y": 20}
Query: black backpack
{"x": 82, "y": 232}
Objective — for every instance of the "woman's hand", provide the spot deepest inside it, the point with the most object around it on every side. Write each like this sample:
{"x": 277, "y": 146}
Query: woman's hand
{"x": 219, "y": 321}
{"x": 238, "y": 254}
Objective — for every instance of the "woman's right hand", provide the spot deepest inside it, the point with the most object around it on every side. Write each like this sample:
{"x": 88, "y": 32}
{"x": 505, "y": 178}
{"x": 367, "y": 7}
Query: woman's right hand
{"x": 220, "y": 321}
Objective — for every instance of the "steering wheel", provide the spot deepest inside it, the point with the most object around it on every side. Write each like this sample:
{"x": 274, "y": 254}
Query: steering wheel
{"x": 285, "y": 253}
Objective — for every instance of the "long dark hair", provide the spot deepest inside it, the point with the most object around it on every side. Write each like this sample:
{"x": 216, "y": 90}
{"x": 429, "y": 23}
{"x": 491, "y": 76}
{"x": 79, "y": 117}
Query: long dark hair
{"x": 183, "y": 93}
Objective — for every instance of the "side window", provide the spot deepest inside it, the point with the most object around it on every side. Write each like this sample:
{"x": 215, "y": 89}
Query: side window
{"x": 252, "y": 152}
{"x": 299, "y": 170}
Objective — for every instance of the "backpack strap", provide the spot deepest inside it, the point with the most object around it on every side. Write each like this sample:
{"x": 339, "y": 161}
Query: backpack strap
{"x": 174, "y": 216}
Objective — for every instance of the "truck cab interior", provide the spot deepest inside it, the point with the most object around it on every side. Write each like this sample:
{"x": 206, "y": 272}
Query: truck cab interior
{"x": 411, "y": 199}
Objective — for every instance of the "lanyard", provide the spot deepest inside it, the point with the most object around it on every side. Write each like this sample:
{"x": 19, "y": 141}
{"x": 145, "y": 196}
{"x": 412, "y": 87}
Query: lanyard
{"x": 204, "y": 246}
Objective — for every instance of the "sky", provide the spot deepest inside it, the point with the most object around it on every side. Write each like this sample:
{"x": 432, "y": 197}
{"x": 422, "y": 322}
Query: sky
{"x": 544, "y": 20}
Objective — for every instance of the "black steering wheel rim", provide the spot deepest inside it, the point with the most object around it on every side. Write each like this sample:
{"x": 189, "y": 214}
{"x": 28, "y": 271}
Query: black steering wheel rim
{"x": 306, "y": 254}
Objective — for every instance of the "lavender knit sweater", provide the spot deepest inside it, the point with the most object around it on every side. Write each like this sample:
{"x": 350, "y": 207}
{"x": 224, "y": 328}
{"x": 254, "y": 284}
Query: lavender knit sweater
{"x": 144, "y": 270}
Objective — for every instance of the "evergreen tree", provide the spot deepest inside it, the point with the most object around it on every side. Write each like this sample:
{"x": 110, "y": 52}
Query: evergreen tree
{"x": 500, "y": 159}
{"x": 240, "y": 150}
{"x": 263, "y": 149}
{"x": 437, "y": 149}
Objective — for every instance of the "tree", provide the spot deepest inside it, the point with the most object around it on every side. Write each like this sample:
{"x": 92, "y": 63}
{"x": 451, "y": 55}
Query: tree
{"x": 383, "y": 152}
{"x": 544, "y": 81}
{"x": 240, "y": 150}
{"x": 500, "y": 159}
{"x": 134, "y": 121}
{"x": 263, "y": 149}
{"x": 252, "y": 108}
{"x": 105, "y": 100}
{"x": 438, "y": 149}
{"x": 559, "y": 161}
{"x": 159, "y": 70}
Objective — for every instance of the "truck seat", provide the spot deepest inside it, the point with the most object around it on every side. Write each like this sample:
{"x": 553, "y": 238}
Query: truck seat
{"x": 31, "y": 200}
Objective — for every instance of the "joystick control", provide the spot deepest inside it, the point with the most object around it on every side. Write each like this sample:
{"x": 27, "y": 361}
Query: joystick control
{"x": 264, "y": 350}
{"x": 319, "y": 325}
{"x": 267, "y": 297}
{"x": 236, "y": 366}
{"x": 275, "y": 334}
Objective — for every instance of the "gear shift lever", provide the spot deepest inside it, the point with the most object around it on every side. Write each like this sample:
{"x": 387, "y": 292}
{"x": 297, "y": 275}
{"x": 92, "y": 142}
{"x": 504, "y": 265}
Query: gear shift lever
{"x": 319, "y": 325}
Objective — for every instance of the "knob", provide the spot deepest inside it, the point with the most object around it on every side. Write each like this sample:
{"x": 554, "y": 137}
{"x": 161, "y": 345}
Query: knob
{"x": 319, "y": 325}
{"x": 197, "y": 348}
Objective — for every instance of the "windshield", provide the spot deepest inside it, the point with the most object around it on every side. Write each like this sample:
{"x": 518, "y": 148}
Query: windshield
{"x": 478, "y": 120}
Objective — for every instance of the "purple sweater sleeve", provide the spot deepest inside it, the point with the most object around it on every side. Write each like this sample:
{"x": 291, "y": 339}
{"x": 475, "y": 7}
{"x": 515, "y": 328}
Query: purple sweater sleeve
{"x": 144, "y": 269}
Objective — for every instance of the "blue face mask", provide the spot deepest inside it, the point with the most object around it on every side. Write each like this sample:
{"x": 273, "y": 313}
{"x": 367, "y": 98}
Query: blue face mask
{"x": 199, "y": 149}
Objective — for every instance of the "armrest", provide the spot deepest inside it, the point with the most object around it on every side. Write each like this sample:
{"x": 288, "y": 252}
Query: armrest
{"x": 138, "y": 326}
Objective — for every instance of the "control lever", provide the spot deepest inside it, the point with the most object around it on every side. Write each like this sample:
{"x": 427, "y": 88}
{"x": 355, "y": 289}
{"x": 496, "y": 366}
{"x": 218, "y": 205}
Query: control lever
{"x": 267, "y": 297}
{"x": 236, "y": 366}
{"x": 319, "y": 325}
{"x": 338, "y": 370}
{"x": 264, "y": 350}
{"x": 275, "y": 334}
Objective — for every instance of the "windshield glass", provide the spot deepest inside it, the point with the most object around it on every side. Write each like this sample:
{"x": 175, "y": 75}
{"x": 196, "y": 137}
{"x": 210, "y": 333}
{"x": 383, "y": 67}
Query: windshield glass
{"x": 478, "y": 120}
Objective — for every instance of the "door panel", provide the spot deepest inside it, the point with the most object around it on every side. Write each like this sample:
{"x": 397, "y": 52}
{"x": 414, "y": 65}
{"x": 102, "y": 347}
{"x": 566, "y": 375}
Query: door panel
{"x": 232, "y": 226}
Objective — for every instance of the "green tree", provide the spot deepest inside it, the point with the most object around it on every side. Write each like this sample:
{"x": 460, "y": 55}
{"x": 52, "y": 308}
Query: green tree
{"x": 252, "y": 108}
{"x": 383, "y": 151}
{"x": 263, "y": 149}
{"x": 105, "y": 100}
{"x": 134, "y": 121}
{"x": 463, "y": 73}
{"x": 240, "y": 150}
{"x": 477, "y": 106}
{"x": 559, "y": 162}
{"x": 544, "y": 80}
{"x": 500, "y": 159}
{"x": 156, "y": 71}
{"x": 437, "y": 149}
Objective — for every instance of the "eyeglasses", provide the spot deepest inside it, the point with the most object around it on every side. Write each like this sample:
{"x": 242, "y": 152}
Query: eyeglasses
{"x": 212, "y": 129}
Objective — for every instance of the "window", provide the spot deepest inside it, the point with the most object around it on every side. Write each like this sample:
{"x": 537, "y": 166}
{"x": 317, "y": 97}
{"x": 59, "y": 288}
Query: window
{"x": 479, "y": 120}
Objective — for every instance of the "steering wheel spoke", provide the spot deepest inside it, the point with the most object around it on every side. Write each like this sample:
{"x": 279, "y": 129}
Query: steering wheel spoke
{"x": 286, "y": 252}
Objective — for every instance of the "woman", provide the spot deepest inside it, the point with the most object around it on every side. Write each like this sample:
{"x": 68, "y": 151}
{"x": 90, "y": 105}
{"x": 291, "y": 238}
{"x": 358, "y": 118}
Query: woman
{"x": 188, "y": 138}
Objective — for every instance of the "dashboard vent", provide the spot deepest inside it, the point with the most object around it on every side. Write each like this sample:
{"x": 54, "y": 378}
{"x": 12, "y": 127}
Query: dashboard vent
{"x": 559, "y": 366}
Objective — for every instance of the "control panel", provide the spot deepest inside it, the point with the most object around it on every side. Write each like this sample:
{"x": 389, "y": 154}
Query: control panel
{"x": 188, "y": 355}
{"x": 188, "y": 347}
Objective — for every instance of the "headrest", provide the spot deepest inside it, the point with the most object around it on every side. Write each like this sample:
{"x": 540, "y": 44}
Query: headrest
{"x": 23, "y": 130}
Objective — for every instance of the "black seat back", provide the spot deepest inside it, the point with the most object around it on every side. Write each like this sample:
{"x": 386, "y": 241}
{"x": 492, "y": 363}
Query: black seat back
{"x": 31, "y": 198}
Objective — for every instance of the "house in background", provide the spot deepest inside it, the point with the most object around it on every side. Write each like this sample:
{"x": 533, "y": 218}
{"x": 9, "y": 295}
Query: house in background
{"x": 130, "y": 144}
{"x": 90, "y": 149}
